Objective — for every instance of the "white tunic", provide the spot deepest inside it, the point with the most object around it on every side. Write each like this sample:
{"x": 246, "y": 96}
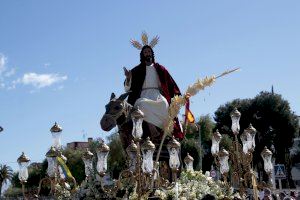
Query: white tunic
{"x": 153, "y": 104}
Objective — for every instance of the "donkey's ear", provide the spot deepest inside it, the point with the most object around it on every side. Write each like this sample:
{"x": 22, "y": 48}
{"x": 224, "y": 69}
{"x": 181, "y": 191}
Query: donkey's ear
{"x": 122, "y": 97}
{"x": 112, "y": 96}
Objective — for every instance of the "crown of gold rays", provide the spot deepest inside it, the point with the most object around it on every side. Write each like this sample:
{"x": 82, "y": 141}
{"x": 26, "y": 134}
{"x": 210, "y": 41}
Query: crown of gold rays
{"x": 144, "y": 37}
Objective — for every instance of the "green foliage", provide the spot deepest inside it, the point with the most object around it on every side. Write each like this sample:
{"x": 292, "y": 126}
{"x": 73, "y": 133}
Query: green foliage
{"x": 296, "y": 154}
{"x": 226, "y": 142}
{"x": 13, "y": 192}
{"x": 75, "y": 163}
{"x": 206, "y": 128}
{"x": 36, "y": 172}
{"x": 264, "y": 111}
{"x": 273, "y": 119}
{"x": 6, "y": 174}
{"x": 206, "y": 125}
{"x": 191, "y": 146}
{"x": 117, "y": 157}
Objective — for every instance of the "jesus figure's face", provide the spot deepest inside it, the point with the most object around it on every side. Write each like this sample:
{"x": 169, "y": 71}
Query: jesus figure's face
{"x": 148, "y": 56}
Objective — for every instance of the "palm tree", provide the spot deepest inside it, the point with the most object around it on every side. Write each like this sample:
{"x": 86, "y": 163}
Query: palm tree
{"x": 6, "y": 173}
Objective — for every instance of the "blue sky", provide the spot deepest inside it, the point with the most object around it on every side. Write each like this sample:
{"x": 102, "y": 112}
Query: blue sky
{"x": 60, "y": 60}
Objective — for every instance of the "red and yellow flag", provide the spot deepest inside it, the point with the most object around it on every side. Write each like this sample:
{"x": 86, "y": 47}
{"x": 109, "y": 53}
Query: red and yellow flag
{"x": 189, "y": 117}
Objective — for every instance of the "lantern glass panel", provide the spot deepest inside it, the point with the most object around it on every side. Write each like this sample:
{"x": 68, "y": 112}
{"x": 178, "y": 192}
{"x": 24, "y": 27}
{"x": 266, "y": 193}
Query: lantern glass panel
{"x": 189, "y": 166}
{"x": 102, "y": 161}
{"x": 132, "y": 161}
{"x": 224, "y": 167}
{"x": 88, "y": 166}
{"x": 52, "y": 166}
{"x": 215, "y": 147}
{"x": 246, "y": 141}
{"x": 268, "y": 166}
{"x": 253, "y": 140}
{"x": 23, "y": 171}
{"x": 137, "y": 129}
{"x": 235, "y": 123}
{"x": 174, "y": 162}
{"x": 147, "y": 165}
{"x": 56, "y": 136}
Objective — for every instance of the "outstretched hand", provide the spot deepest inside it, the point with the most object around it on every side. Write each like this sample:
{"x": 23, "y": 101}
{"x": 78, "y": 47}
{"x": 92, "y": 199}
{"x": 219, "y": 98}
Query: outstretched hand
{"x": 127, "y": 73}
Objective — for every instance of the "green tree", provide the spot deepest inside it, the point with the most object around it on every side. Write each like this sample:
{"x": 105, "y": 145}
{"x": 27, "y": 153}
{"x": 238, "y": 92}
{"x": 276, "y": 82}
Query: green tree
{"x": 6, "y": 174}
{"x": 197, "y": 139}
{"x": 273, "y": 119}
{"x": 75, "y": 163}
{"x": 117, "y": 156}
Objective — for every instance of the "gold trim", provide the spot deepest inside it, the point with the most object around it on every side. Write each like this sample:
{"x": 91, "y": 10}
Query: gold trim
{"x": 55, "y": 128}
{"x": 23, "y": 158}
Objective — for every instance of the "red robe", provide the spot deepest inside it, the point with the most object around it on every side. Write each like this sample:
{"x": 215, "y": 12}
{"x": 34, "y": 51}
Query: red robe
{"x": 168, "y": 89}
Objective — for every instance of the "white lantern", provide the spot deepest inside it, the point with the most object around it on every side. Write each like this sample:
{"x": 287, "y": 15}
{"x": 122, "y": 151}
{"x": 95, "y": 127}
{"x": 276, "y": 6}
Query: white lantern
{"x": 252, "y": 132}
{"x": 235, "y": 120}
{"x": 23, "y": 162}
{"x": 216, "y": 139}
{"x": 132, "y": 154}
{"x": 102, "y": 154}
{"x": 87, "y": 158}
{"x": 188, "y": 161}
{"x": 246, "y": 141}
{"x": 137, "y": 117}
{"x": 148, "y": 149}
{"x": 266, "y": 155}
{"x": 51, "y": 156}
{"x": 223, "y": 160}
{"x": 56, "y": 135}
{"x": 173, "y": 148}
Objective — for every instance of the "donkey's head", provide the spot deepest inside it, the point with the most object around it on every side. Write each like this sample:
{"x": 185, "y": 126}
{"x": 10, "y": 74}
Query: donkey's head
{"x": 116, "y": 108}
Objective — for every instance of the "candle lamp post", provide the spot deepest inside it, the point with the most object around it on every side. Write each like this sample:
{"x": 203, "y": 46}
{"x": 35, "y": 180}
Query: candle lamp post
{"x": 240, "y": 155}
{"x": 56, "y": 131}
{"x": 87, "y": 158}
{"x": 188, "y": 161}
{"x": 23, "y": 162}
{"x": 57, "y": 172}
{"x": 132, "y": 154}
{"x": 223, "y": 161}
{"x": 52, "y": 171}
{"x": 102, "y": 153}
{"x": 266, "y": 155}
{"x": 142, "y": 172}
{"x": 174, "y": 149}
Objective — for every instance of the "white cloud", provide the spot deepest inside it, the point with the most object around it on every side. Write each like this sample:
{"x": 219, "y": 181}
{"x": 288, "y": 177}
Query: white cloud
{"x": 10, "y": 72}
{"x": 2, "y": 63}
{"x": 40, "y": 80}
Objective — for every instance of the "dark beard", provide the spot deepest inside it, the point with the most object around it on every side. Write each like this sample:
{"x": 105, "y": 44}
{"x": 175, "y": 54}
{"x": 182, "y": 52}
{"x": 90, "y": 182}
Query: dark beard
{"x": 148, "y": 59}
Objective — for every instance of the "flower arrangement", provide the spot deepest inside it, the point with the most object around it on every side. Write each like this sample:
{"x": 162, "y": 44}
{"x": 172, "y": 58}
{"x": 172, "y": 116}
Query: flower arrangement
{"x": 62, "y": 192}
{"x": 195, "y": 185}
